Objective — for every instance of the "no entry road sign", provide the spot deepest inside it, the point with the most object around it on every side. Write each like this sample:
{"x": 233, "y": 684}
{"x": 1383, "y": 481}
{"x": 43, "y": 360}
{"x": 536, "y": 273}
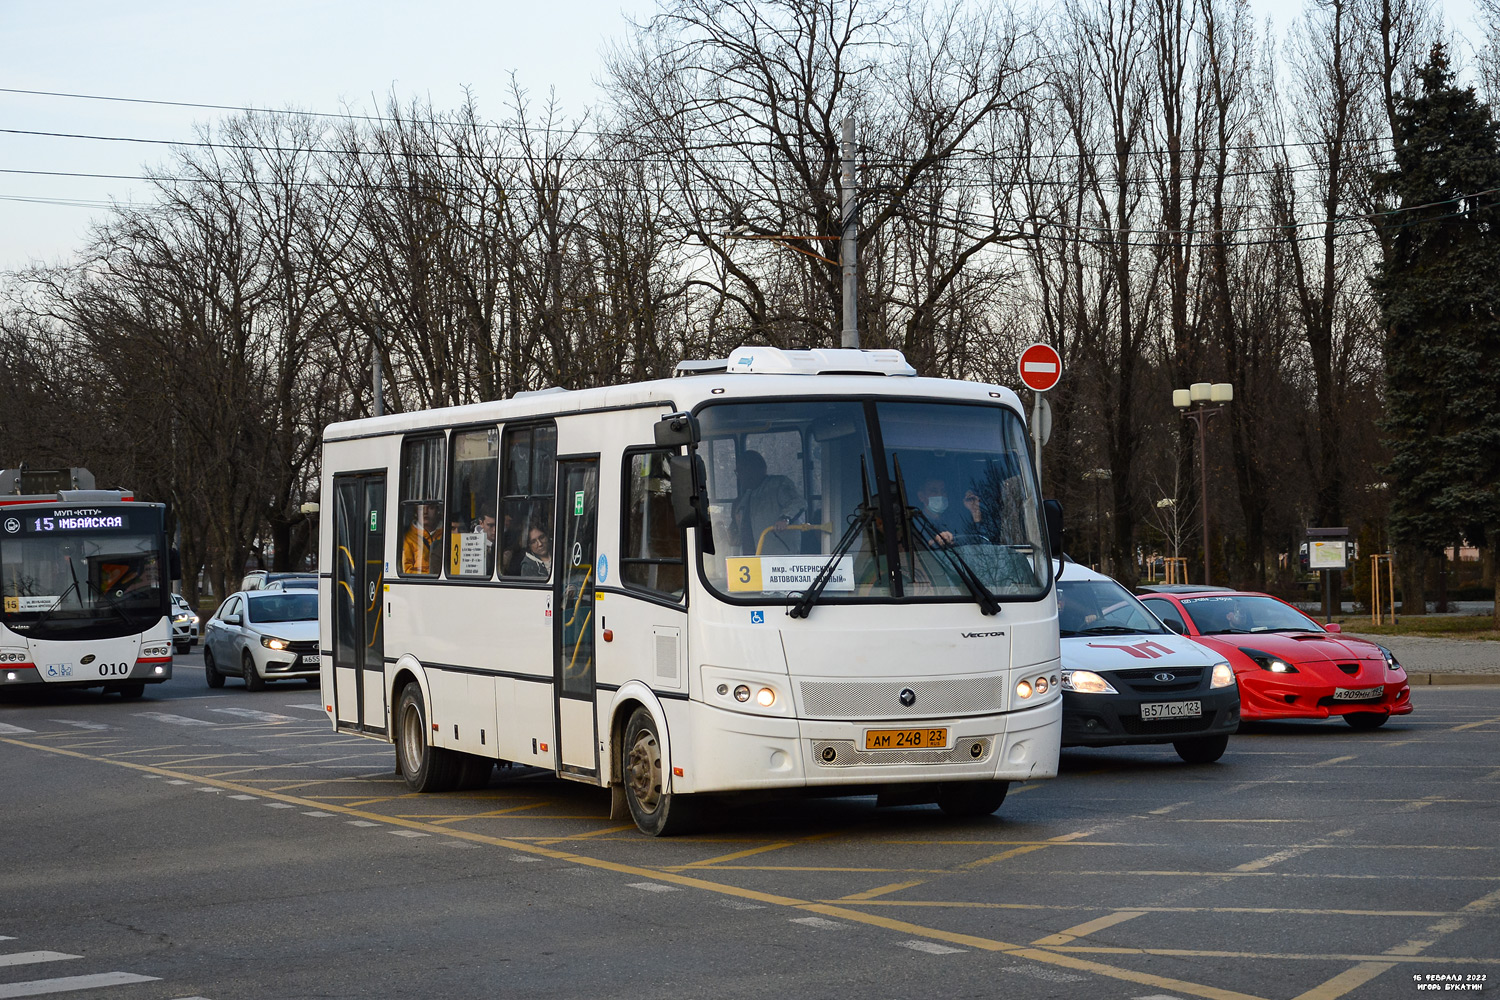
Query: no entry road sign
{"x": 1040, "y": 367}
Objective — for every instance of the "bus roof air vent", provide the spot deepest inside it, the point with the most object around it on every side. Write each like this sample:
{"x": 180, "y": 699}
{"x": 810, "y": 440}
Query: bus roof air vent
{"x": 550, "y": 390}
{"x": 845, "y": 361}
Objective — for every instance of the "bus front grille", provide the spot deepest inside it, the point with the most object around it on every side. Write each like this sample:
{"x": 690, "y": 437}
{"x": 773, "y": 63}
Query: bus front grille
{"x": 932, "y": 698}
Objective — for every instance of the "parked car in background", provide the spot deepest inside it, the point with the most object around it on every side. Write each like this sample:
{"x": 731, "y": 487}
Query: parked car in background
{"x": 184, "y": 625}
{"x": 1127, "y": 679}
{"x": 1288, "y": 666}
{"x": 291, "y": 581}
{"x": 262, "y": 635}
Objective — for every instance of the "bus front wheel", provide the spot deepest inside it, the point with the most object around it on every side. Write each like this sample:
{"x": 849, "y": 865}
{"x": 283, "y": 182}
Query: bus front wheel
{"x": 655, "y": 810}
{"x": 425, "y": 768}
{"x": 972, "y": 799}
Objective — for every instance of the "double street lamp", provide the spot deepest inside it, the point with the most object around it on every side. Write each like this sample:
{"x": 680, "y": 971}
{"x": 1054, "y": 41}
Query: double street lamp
{"x": 1194, "y": 403}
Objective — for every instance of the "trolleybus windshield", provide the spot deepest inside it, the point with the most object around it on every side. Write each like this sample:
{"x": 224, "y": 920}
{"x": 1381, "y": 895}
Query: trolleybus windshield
{"x": 940, "y": 498}
{"x": 82, "y": 574}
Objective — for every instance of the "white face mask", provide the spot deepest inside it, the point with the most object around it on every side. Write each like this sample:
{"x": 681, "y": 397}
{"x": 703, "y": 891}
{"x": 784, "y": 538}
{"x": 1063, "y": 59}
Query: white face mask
{"x": 937, "y": 504}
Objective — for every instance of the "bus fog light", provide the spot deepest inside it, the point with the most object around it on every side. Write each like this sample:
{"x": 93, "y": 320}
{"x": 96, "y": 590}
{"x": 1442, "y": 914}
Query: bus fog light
{"x": 765, "y": 697}
{"x": 742, "y": 693}
{"x": 1023, "y": 689}
{"x": 10, "y": 675}
{"x": 158, "y": 671}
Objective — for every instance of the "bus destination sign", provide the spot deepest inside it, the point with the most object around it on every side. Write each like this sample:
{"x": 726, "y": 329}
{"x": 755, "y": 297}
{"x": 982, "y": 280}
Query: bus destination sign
{"x": 68, "y": 521}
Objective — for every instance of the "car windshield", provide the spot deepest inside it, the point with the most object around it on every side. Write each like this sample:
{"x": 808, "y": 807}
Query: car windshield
{"x": 76, "y": 574}
{"x": 1101, "y": 607}
{"x": 1233, "y": 613}
{"x": 296, "y": 606}
{"x": 788, "y": 480}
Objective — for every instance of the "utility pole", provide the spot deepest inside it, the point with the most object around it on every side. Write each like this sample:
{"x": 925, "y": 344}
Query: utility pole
{"x": 849, "y": 248}
{"x": 376, "y": 378}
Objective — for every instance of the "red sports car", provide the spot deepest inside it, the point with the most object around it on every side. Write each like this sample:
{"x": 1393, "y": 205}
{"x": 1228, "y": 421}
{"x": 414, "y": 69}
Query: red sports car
{"x": 1287, "y": 665}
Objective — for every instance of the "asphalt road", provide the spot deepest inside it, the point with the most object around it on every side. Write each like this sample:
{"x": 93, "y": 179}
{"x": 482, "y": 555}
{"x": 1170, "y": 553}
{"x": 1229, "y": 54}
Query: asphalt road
{"x": 222, "y": 845}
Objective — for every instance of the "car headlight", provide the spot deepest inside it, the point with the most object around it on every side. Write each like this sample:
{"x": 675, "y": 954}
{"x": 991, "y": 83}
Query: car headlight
{"x": 1223, "y": 676}
{"x": 1266, "y": 661}
{"x": 272, "y": 643}
{"x": 1391, "y": 663}
{"x": 1086, "y": 682}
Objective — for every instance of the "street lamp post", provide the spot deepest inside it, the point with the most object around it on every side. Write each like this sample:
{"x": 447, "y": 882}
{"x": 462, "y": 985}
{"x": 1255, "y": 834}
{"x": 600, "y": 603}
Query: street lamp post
{"x": 1193, "y": 402}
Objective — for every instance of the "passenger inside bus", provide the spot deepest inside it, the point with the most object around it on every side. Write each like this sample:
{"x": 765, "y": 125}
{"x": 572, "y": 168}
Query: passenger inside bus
{"x": 421, "y": 546}
{"x": 764, "y": 502}
{"x": 537, "y": 562}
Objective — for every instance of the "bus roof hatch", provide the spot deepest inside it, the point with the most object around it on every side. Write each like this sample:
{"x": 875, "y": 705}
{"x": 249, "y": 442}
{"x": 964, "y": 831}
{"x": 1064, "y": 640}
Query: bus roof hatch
{"x": 774, "y": 361}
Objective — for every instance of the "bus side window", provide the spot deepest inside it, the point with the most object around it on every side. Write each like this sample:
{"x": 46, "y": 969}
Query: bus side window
{"x": 651, "y": 551}
{"x": 529, "y": 461}
{"x": 472, "y": 517}
{"x": 420, "y": 547}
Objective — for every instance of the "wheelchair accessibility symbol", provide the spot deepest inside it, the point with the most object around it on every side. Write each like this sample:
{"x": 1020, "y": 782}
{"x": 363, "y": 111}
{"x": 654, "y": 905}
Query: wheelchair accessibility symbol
{"x": 757, "y": 618}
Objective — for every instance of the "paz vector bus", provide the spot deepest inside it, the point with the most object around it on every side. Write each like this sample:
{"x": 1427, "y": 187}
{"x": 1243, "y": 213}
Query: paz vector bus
{"x": 781, "y": 571}
{"x": 83, "y": 585}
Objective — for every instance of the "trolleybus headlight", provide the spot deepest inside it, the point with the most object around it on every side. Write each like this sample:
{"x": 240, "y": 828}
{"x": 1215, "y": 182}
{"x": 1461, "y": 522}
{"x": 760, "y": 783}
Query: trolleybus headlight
{"x": 1086, "y": 682}
{"x": 765, "y": 697}
{"x": 742, "y": 692}
{"x": 271, "y": 643}
{"x": 1023, "y": 689}
{"x": 1223, "y": 676}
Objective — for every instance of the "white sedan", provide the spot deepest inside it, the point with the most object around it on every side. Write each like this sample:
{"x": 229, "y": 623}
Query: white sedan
{"x": 184, "y": 625}
{"x": 263, "y": 635}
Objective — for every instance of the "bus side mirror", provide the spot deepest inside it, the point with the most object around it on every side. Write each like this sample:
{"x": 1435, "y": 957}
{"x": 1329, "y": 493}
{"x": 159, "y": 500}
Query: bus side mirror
{"x": 689, "y": 508}
{"x": 677, "y": 429}
{"x": 174, "y": 561}
{"x": 1052, "y": 510}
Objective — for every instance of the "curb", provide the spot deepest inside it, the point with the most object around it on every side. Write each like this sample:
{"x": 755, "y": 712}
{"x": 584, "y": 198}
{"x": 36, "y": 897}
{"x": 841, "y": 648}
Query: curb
{"x": 1425, "y": 680}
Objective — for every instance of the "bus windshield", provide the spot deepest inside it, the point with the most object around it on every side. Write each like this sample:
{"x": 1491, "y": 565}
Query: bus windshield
{"x": 73, "y": 575}
{"x": 929, "y": 500}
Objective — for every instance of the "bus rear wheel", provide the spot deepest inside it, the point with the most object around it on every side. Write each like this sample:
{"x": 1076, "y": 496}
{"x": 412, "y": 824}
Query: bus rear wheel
{"x": 971, "y": 799}
{"x": 132, "y": 690}
{"x": 655, "y": 810}
{"x": 425, "y": 768}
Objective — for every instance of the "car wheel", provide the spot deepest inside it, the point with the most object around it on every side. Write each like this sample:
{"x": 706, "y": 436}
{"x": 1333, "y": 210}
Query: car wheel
{"x": 253, "y": 680}
{"x": 1201, "y": 749}
{"x": 132, "y": 690}
{"x": 1366, "y": 720}
{"x": 425, "y": 768}
{"x": 655, "y": 810}
{"x": 211, "y": 670}
{"x": 971, "y": 799}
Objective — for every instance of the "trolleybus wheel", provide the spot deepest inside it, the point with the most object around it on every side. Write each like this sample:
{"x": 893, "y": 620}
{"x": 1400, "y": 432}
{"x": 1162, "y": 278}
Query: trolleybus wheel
{"x": 971, "y": 799}
{"x": 655, "y": 810}
{"x": 1367, "y": 720}
{"x": 425, "y": 768}
{"x": 1201, "y": 749}
{"x": 134, "y": 690}
{"x": 210, "y": 671}
{"x": 253, "y": 680}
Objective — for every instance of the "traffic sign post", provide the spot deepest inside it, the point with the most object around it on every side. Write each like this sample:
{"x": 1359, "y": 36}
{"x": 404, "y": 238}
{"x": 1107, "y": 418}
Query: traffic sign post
{"x": 1040, "y": 367}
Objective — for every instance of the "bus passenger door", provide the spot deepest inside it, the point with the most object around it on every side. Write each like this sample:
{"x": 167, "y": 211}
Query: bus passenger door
{"x": 358, "y": 599}
{"x": 573, "y": 620}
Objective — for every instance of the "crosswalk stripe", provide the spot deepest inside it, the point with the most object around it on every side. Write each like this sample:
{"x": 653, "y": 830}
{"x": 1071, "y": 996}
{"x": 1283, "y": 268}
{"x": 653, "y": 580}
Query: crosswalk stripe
{"x": 174, "y": 720}
{"x": 28, "y": 957}
{"x": 80, "y": 724}
{"x": 6, "y": 729}
{"x": 250, "y": 713}
{"x": 41, "y": 987}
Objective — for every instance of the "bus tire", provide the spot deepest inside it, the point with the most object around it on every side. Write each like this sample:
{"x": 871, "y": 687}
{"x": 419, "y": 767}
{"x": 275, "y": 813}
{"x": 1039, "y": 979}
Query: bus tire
{"x": 424, "y": 767}
{"x": 971, "y": 799}
{"x": 474, "y": 772}
{"x": 253, "y": 680}
{"x": 655, "y": 810}
{"x": 210, "y": 670}
{"x": 132, "y": 690}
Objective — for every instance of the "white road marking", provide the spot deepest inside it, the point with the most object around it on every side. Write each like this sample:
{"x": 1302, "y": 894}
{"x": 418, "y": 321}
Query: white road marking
{"x": 28, "y": 957}
{"x": 362, "y": 822}
{"x": 179, "y": 781}
{"x": 310, "y": 708}
{"x": 6, "y": 729}
{"x": 523, "y": 859}
{"x": 739, "y": 904}
{"x": 652, "y": 886}
{"x": 278, "y": 805}
{"x": 931, "y": 947}
{"x": 207, "y": 788}
{"x": 80, "y": 724}
{"x": 818, "y": 923}
{"x": 174, "y": 720}
{"x": 250, "y": 713}
{"x": 245, "y": 798}
{"x": 316, "y": 812}
{"x": 408, "y": 833}
{"x": 40, "y": 987}
{"x": 1043, "y": 973}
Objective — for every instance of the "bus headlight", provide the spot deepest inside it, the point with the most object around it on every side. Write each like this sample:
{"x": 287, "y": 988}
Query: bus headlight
{"x": 1223, "y": 676}
{"x": 1023, "y": 689}
{"x": 765, "y": 697}
{"x": 742, "y": 693}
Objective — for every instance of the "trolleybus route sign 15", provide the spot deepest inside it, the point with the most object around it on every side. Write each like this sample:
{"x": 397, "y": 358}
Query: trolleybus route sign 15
{"x": 1040, "y": 367}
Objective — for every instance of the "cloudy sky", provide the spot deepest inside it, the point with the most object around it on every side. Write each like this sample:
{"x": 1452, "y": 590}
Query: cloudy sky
{"x": 317, "y": 55}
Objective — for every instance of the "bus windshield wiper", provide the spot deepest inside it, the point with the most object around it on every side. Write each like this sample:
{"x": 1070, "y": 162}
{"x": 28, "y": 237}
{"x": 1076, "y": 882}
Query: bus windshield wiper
{"x": 864, "y": 515}
{"x": 960, "y": 567}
